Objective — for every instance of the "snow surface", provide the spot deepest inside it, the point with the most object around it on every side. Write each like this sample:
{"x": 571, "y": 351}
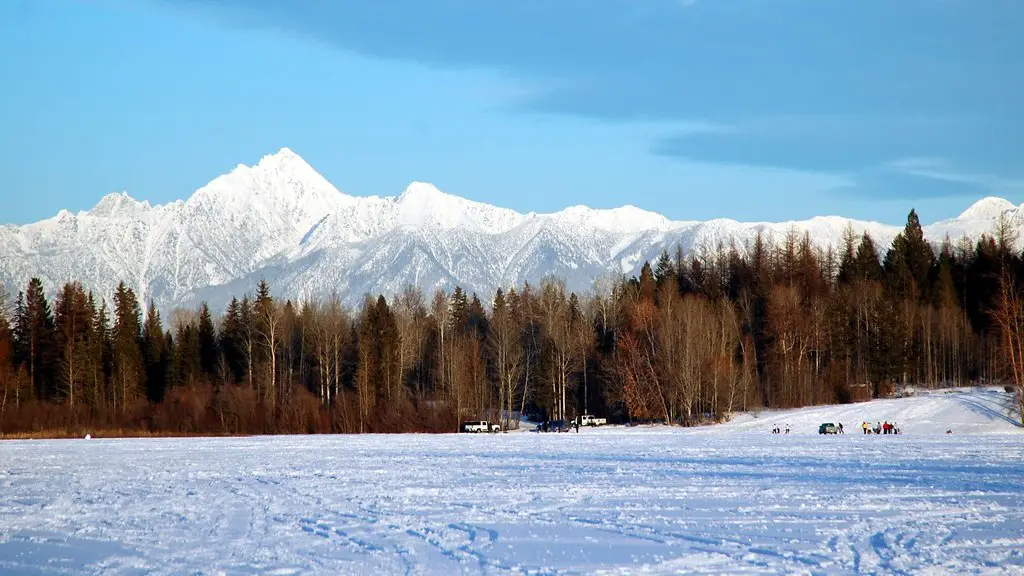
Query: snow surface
{"x": 282, "y": 221}
{"x": 963, "y": 410}
{"x": 728, "y": 499}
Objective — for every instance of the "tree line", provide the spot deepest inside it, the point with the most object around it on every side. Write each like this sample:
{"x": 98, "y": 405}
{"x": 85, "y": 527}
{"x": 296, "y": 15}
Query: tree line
{"x": 691, "y": 339}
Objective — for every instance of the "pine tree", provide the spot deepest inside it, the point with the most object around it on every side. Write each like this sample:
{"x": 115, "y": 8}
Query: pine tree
{"x": 230, "y": 341}
{"x": 909, "y": 261}
{"x": 385, "y": 339}
{"x": 459, "y": 310}
{"x": 155, "y": 355}
{"x": 207, "y": 344}
{"x": 866, "y": 263}
{"x": 847, "y": 257}
{"x": 476, "y": 318}
{"x": 128, "y": 367}
{"x": 665, "y": 271}
{"x": 34, "y": 345}
{"x": 101, "y": 355}
{"x": 185, "y": 366}
{"x": 73, "y": 320}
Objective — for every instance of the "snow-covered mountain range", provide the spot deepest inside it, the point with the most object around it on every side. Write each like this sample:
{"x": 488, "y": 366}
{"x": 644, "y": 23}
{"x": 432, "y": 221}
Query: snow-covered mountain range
{"x": 281, "y": 220}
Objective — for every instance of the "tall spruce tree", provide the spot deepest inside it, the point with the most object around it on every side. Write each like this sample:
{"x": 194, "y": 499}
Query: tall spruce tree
{"x": 909, "y": 261}
{"x": 230, "y": 341}
{"x": 128, "y": 366}
{"x": 34, "y": 339}
{"x": 101, "y": 355}
{"x": 207, "y": 344}
{"x": 73, "y": 321}
{"x": 155, "y": 354}
{"x": 185, "y": 370}
{"x": 867, "y": 265}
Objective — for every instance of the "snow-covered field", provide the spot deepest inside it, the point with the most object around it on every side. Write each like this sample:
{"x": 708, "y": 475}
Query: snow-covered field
{"x": 727, "y": 499}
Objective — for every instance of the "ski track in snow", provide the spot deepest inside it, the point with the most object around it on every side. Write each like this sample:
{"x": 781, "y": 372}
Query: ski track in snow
{"x": 607, "y": 501}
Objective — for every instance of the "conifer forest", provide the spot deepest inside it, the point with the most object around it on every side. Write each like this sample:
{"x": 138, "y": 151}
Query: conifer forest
{"x": 690, "y": 340}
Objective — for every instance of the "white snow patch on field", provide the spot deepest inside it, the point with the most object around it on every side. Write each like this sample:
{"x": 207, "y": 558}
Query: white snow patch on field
{"x": 731, "y": 499}
{"x": 986, "y": 410}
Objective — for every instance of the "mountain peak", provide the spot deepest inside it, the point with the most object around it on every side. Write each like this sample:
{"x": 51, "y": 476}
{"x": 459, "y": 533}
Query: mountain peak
{"x": 116, "y": 203}
{"x": 421, "y": 190}
{"x": 624, "y": 219}
{"x": 422, "y": 202}
{"x": 284, "y": 159}
{"x": 988, "y": 208}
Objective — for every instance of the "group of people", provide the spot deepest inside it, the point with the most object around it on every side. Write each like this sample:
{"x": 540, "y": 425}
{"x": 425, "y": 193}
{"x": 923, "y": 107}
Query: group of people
{"x": 777, "y": 430}
{"x": 880, "y": 428}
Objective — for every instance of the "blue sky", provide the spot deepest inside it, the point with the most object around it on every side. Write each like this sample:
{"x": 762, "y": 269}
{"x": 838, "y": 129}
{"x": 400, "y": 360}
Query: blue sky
{"x": 697, "y": 109}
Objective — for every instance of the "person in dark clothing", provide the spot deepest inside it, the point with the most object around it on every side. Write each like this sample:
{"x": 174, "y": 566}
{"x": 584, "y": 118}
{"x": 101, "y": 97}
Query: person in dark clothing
{"x": 841, "y": 428}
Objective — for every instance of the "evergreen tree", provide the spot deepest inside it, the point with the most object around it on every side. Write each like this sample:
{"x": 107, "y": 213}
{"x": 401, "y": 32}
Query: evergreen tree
{"x": 73, "y": 321}
{"x": 128, "y": 367}
{"x": 460, "y": 310}
{"x": 909, "y": 261}
{"x": 207, "y": 344}
{"x": 847, "y": 257}
{"x": 665, "y": 270}
{"x": 476, "y": 318}
{"x": 867, "y": 265}
{"x": 231, "y": 341}
{"x": 185, "y": 369}
{"x": 155, "y": 355}
{"x": 34, "y": 339}
{"x": 101, "y": 355}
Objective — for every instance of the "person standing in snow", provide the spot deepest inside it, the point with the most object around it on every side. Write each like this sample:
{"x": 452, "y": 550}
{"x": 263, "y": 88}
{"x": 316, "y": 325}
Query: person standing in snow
{"x": 864, "y": 425}
{"x": 841, "y": 428}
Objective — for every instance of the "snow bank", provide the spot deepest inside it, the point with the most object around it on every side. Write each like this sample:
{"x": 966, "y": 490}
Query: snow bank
{"x": 987, "y": 410}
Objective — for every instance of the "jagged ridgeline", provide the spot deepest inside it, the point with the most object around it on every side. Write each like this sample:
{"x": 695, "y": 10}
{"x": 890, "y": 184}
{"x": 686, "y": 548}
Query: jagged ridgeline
{"x": 688, "y": 340}
{"x": 281, "y": 221}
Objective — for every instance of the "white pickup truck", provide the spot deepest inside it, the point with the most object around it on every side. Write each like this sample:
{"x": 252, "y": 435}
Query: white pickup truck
{"x": 480, "y": 426}
{"x": 591, "y": 420}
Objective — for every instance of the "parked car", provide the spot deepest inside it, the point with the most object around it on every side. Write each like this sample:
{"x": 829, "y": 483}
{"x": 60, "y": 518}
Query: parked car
{"x": 828, "y": 428}
{"x": 480, "y": 426}
{"x": 591, "y": 420}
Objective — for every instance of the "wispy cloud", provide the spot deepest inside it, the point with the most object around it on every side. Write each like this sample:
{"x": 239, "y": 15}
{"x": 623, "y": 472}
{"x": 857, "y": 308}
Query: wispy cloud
{"x": 940, "y": 169}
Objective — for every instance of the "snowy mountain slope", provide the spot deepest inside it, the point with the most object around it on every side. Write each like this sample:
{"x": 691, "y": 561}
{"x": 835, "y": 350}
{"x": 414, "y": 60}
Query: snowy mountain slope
{"x": 281, "y": 220}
